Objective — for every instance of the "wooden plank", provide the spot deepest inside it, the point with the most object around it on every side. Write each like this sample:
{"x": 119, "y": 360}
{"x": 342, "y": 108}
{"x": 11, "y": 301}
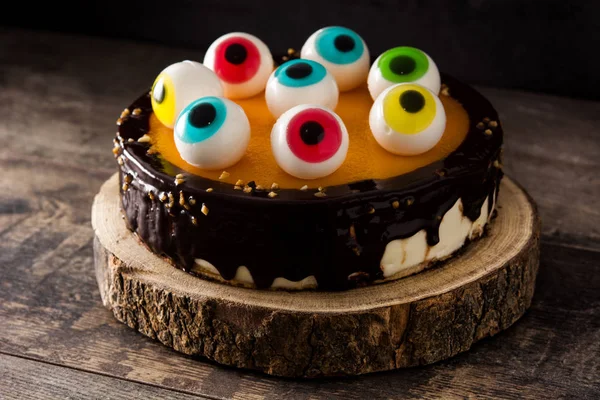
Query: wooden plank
{"x": 27, "y": 379}
{"x": 52, "y": 86}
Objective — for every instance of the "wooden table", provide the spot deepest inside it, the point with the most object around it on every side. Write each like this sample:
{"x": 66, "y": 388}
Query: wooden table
{"x": 59, "y": 99}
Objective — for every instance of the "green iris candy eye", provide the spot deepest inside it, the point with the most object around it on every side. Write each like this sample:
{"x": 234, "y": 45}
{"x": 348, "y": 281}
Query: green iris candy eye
{"x": 403, "y": 65}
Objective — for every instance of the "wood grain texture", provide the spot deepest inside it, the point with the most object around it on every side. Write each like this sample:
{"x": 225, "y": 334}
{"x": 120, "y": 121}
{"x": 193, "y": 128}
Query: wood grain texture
{"x": 50, "y": 308}
{"x": 416, "y": 320}
{"x": 24, "y": 379}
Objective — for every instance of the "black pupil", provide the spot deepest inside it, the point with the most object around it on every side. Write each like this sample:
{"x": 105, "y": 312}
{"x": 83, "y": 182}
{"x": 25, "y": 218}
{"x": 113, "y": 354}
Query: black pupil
{"x": 159, "y": 91}
{"x": 412, "y": 101}
{"x": 312, "y": 133}
{"x": 403, "y": 65}
{"x": 202, "y": 115}
{"x": 236, "y": 53}
{"x": 344, "y": 43}
{"x": 299, "y": 70}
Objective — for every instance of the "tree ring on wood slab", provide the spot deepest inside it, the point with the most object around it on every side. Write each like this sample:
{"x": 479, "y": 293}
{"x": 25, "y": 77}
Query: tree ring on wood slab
{"x": 416, "y": 320}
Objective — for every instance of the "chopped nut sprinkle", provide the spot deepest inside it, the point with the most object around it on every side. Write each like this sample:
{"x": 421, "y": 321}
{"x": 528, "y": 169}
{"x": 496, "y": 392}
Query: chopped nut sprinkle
{"x": 486, "y": 120}
{"x": 144, "y": 139}
{"x": 285, "y": 58}
{"x": 488, "y": 132}
{"x": 130, "y": 140}
{"x": 115, "y": 151}
{"x": 237, "y": 187}
{"x": 272, "y": 194}
{"x": 497, "y": 164}
{"x": 239, "y": 182}
{"x": 356, "y": 251}
{"x": 136, "y": 112}
{"x": 179, "y": 176}
{"x": 181, "y": 198}
{"x": 352, "y": 232}
{"x": 127, "y": 178}
{"x": 224, "y": 175}
{"x": 125, "y": 187}
{"x": 171, "y": 200}
{"x": 371, "y": 210}
{"x": 151, "y": 150}
{"x": 291, "y": 51}
{"x": 119, "y": 121}
{"x": 480, "y": 125}
{"x": 151, "y": 195}
{"x": 410, "y": 201}
{"x": 303, "y": 188}
{"x": 194, "y": 220}
{"x": 179, "y": 181}
{"x": 162, "y": 197}
{"x": 395, "y": 204}
{"x": 259, "y": 187}
{"x": 204, "y": 209}
{"x": 192, "y": 200}
{"x": 120, "y": 160}
{"x": 125, "y": 112}
{"x": 274, "y": 186}
{"x": 493, "y": 124}
{"x": 320, "y": 194}
{"x": 247, "y": 189}
{"x": 209, "y": 190}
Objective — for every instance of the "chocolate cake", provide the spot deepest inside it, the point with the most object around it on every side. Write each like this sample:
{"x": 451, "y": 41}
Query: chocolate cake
{"x": 313, "y": 183}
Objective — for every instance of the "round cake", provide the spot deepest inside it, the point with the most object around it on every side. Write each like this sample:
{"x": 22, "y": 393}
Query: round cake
{"x": 323, "y": 169}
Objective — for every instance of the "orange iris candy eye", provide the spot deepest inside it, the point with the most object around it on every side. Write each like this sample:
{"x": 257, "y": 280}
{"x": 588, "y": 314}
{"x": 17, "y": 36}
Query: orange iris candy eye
{"x": 243, "y": 63}
{"x": 407, "y": 119}
{"x": 309, "y": 141}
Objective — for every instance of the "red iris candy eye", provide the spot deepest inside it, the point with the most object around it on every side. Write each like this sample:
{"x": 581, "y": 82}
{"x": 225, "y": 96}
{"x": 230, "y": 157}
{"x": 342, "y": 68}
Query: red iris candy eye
{"x": 314, "y": 135}
{"x": 242, "y": 62}
{"x": 309, "y": 141}
{"x": 237, "y": 60}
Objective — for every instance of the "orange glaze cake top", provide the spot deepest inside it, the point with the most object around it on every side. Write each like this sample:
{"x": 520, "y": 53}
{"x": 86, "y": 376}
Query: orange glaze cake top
{"x": 366, "y": 159}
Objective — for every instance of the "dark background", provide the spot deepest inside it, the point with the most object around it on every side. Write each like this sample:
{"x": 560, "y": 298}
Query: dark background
{"x": 539, "y": 45}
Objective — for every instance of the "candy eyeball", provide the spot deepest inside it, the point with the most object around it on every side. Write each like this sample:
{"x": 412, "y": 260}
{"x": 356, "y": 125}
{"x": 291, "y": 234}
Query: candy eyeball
{"x": 178, "y": 85}
{"x": 403, "y": 65}
{"x": 407, "y": 119}
{"x": 309, "y": 141}
{"x": 300, "y": 82}
{"x": 242, "y": 61}
{"x": 343, "y": 52}
{"x": 212, "y": 133}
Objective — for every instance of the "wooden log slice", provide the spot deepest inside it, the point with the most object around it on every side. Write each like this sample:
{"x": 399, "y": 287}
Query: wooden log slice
{"x": 416, "y": 320}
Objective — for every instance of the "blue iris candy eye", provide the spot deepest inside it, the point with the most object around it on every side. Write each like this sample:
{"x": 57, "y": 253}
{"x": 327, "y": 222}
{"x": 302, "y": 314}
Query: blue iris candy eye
{"x": 201, "y": 120}
{"x": 300, "y": 73}
{"x": 212, "y": 133}
{"x": 300, "y": 82}
{"x": 339, "y": 45}
{"x": 343, "y": 52}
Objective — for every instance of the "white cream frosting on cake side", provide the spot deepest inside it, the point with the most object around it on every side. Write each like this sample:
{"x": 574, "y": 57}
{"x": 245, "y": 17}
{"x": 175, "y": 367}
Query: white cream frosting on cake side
{"x": 402, "y": 257}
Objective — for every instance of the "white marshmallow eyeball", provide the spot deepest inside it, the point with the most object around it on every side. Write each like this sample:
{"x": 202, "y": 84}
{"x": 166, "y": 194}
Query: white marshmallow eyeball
{"x": 242, "y": 62}
{"x": 403, "y": 65}
{"x": 407, "y": 119}
{"x": 309, "y": 141}
{"x": 300, "y": 82}
{"x": 212, "y": 133}
{"x": 343, "y": 52}
{"x": 178, "y": 85}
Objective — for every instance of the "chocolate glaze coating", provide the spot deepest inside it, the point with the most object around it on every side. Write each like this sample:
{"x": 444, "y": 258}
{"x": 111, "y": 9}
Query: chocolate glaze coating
{"x": 339, "y": 238}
